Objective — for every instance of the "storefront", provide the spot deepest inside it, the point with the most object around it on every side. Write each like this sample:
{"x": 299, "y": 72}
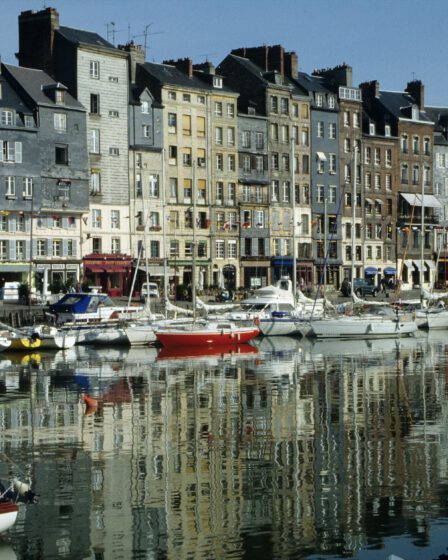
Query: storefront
{"x": 110, "y": 272}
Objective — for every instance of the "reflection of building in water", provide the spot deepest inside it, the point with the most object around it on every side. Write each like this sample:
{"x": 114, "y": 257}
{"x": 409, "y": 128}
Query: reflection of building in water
{"x": 195, "y": 458}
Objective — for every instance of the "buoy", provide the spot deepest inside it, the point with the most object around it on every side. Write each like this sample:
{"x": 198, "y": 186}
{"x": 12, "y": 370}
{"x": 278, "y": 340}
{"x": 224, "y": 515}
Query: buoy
{"x": 20, "y": 487}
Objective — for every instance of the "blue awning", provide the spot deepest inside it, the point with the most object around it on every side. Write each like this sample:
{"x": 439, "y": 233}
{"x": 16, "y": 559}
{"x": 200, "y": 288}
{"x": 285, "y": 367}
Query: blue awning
{"x": 371, "y": 270}
{"x": 390, "y": 270}
{"x": 282, "y": 261}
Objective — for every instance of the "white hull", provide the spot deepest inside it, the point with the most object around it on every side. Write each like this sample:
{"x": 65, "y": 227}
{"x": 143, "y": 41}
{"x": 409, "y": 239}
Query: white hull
{"x": 7, "y": 520}
{"x": 361, "y": 327}
{"x": 5, "y": 343}
{"x": 433, "y": 319}
{"x": 279, "y": 327}
{"x": 140, "y": 335}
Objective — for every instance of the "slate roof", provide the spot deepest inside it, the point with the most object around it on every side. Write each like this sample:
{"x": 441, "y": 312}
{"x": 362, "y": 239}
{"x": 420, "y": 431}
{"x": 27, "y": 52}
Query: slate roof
{"x": 395, "y": 102}
{"x": 79, "y": 36}
{"x": 32, "y": 81}
{"x": 439, "y": 115}
{"x": 11, "y": 99}
{"x": 166, "y": 74}
{"x": 312, "y": 83}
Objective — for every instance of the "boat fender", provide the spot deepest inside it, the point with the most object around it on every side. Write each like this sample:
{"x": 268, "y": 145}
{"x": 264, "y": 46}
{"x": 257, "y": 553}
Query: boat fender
{"x": 232, "y": 335}
{"x": 20, "y": 487}
{"x": 257, "y": 321}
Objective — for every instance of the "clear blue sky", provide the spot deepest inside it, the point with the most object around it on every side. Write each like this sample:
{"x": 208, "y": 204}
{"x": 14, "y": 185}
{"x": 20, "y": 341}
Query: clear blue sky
{"x": 392, "y": 41}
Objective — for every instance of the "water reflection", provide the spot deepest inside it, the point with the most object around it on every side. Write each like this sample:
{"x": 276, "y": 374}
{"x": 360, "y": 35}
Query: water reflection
{"x": 291, "y": 449}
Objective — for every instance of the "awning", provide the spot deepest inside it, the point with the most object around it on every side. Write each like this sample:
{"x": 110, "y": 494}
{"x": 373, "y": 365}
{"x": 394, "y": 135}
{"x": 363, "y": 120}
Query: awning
{"x": 93, "y": 268}
{"x": 369, "y": 201}
{"x": 431, "y": 265}
{"x": 390, "y": 270}
{"x": 408, "y": 264}
{"x": 378, "y": 201}
{"x": 321, "y": 156}
{"x": 429, "y": 200}
{"x": 156, "y": 270}
{"x": 371, "y": 270}
{"x": 418, "y": 265}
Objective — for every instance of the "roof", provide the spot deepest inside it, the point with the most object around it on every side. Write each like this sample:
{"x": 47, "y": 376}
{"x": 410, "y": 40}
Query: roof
{"x": 11, "y": 99}
{"x": 33, "y": 81}
{"x": 397, "y": 102}
{"x": 168, "y": 74}
{"x": 79, "y": 36}
{"x": 312, "y": 83}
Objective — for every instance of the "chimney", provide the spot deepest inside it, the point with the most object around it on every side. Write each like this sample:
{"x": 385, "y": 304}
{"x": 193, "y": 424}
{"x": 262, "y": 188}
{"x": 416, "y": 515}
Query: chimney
{"x": 292, "y": 65}
{"x": 338, "y": 76}
{"x": 206, "y": 67}
{"x": 184, "y": 65}
{"x": 136, "y": 55}
{"x": 36, "y": 39}
{"x": 417, "y": 90}
{"x": 370, "y": 90}
{"x": 268, "y": 58}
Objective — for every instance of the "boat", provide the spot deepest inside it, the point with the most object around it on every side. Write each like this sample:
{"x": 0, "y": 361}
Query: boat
{"x": 8, "y": 515}
{"x": 51, "y": 338}
{"x": 377, "y": 322}
{"x": 5, "y": 341}
{"x": 88, "y": 308}
{"x": 206, "y": 333}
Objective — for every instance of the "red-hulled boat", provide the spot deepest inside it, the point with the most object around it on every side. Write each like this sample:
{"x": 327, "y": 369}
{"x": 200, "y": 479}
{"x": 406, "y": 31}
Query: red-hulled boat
{"x": 206, "y": 333}
{"x": 8, "y": 515}
{"x": 200, "y": 352}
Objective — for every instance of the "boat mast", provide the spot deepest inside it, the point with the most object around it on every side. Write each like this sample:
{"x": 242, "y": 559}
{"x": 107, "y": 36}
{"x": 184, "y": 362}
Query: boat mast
{"x": 324, "y": 283}
{"x": 352, "y": 273}
{"x": 193, "y": 268}
{"x": 294, "y": 248}
{"x": 165, "y": 256}
{"x": 422, "y": 239}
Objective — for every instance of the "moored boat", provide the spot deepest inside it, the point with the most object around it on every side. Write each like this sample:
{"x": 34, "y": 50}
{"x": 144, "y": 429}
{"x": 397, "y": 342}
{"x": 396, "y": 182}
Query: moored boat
{"x": 8, "y": 515}
{"x": 206, "y": 333}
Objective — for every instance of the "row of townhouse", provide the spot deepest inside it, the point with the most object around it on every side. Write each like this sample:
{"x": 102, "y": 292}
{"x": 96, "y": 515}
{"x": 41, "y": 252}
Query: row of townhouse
{"x": 121, "y": 166}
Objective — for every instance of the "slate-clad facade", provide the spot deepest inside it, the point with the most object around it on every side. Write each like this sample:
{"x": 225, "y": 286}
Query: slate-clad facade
{"x": 44, "y": 176}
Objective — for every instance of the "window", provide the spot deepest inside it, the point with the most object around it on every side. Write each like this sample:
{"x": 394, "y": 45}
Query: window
{"x": 259, "y": 163}
{"x": 305, "y": 136}
{"x": 404, "y": 173}
{"x": 138, "y": 160}
{"x": 275, "y": 191}
{"x": 154, "y": 220}
{"x": 332, "y": 163}
{"x": 285, "y": 191}
{"x": 95, "y": 182}
{"x": 173, "y": 188}
{"x": 188, "y": 187}
{"x": 154, "y": 186}
{"x": 387, "y": 130}
{"x": 95, "y": 69}
{"x": 218, "y": 135}
{"x": 427, "y": 176}
{"x": 356, "y": 120}
{"x": 172, "y": 123}
{"x": 332, "y": 194}
{"x": 274, "y": 104}
{"x": 200, "y": 127}
{"x": 319, "y": 99}
{"x": 320, "y": 193}
{"x": 145, "y": 107}
{"x": 295, "y": 134}
{"x": 331, "y": 102}
{"x": 426, "y": 146}
{"x": 320, "y": 129}
{"x": 20, "y": 250}
{"x": 259, "y": 140}
{"x": 20, "y": 222}
{"x": 285, "y": 162}
{"x": 186, "y": 157}
{"x": 202, "y": 189}
{"x": 95, "y": 141}
{"x": 388, "y": 182}
{"x": 416, "y": 144}
{"x": 146, "y": 130}
{"x": 115, "y": 245}
{"x": 285, "y": 134}
{"x": 115, "y": 219}
{"x": 10, "y": 187}
{"x": 306, "y": 163}
{"x": 219, "y": 162}
{"x": 274, "y": 161}
{"x": 321, "y": 165}
{"x": 186, "y": 125}
{"x": 41, "y": 247}
{"x": 29, "y": 121}
{"x": 7, "y": 118}
{"x": 295, "y": 110}
{"x": 377, "y": 156}
{"x": 367, "y": 155}
{"x": 60, "y": 122}
{"x": 230, "y": 110}
{"x": 246, "y": 139}
{"x": 347, "y": 145}
{"x": 113, "y": 151}
{"x": 94, "y": 104}
{"x": 201, "y": 157}
{"x": 10, "y": 151}
{"x": 186, "y": 97}
{"x": 218, "y": 109}
{"x": 274, "y": 132}
{"x": 415, "y": 174}
{"x": 246, "y": 164}
{"x": 230, "y": 136}
{"x": 404, "y": 143}
{"x": 219, "y": 249}
{"x": 57, "y": 248}
{"x": 154, "y": 249}
{"x": 201, "y": 99}
{"x": 368, "y": 180}
{"x": 3, "y": 223}
{"x": 174, "y": 248}
{"x": 172, "y": 155}
{"x": 372, "y": 129}
{"x": 284, "y": 106}
{"x": 96, "y": 218}
{"x": 231, "y": 165}
{"x": 332, "y": 131}
{"x": 231, "y": 246}
{"x": 346, "y": 117}
{"x": 388, "y": 157}
{"x": 27, "y": 184}
{"x": 202, "y": 249}
{"x": 172, "y": 95}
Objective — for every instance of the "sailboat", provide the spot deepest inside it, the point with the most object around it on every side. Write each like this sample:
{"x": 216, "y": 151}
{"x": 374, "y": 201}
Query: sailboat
{"x": 203, "y": 332}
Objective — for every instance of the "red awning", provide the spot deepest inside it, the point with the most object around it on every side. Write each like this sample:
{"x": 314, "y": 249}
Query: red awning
{"x": 94, "y": 268}
{"x": 115, "y": 267}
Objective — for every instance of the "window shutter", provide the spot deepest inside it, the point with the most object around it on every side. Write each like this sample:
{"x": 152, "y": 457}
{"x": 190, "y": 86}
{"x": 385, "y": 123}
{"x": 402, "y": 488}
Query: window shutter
{"x": 65, "y": 222}
{"x": 49, "y": 247}
{"x": 34, "y": 253}
{"x": 28, "y": 223}
{"x": 27, "y": 250}
{"x": 12, "y": 223}
{"x": 75, "y": 247}
{"x": 64, "y": 248}
{"x": 18, "y": 152}
{"x": 12, "y": 250}
{"x": 1, "y": 150}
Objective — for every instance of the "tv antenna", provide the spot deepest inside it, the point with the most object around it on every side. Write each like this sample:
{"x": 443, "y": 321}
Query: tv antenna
{"x": 111, "y": 32}
{"x": 146, "y": 34}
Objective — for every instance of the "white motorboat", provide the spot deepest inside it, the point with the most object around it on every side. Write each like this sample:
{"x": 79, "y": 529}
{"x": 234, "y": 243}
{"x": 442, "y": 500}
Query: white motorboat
{"x": 8, "y": 515}
{"x": 379, "y": 324}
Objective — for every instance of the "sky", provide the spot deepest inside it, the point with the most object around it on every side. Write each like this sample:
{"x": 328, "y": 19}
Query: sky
{"x": 392, "y": 41}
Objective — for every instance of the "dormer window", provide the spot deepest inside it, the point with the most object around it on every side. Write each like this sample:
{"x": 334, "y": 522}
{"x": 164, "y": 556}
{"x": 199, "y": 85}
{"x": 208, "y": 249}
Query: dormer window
{"x": 217, "y": 81}
{"x": 387, "y": 130}
{"x": 59, "y": 97}
{"x": 7, "y": 117}
{"x": 331, "y": 102}
{"x": 372, "y": 129}
{"x": 145, "y": 107}
{"x": 319, "y": 99}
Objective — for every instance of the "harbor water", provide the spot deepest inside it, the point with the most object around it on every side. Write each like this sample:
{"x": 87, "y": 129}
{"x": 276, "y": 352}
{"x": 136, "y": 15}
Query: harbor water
{"x": 287, "y": 449}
